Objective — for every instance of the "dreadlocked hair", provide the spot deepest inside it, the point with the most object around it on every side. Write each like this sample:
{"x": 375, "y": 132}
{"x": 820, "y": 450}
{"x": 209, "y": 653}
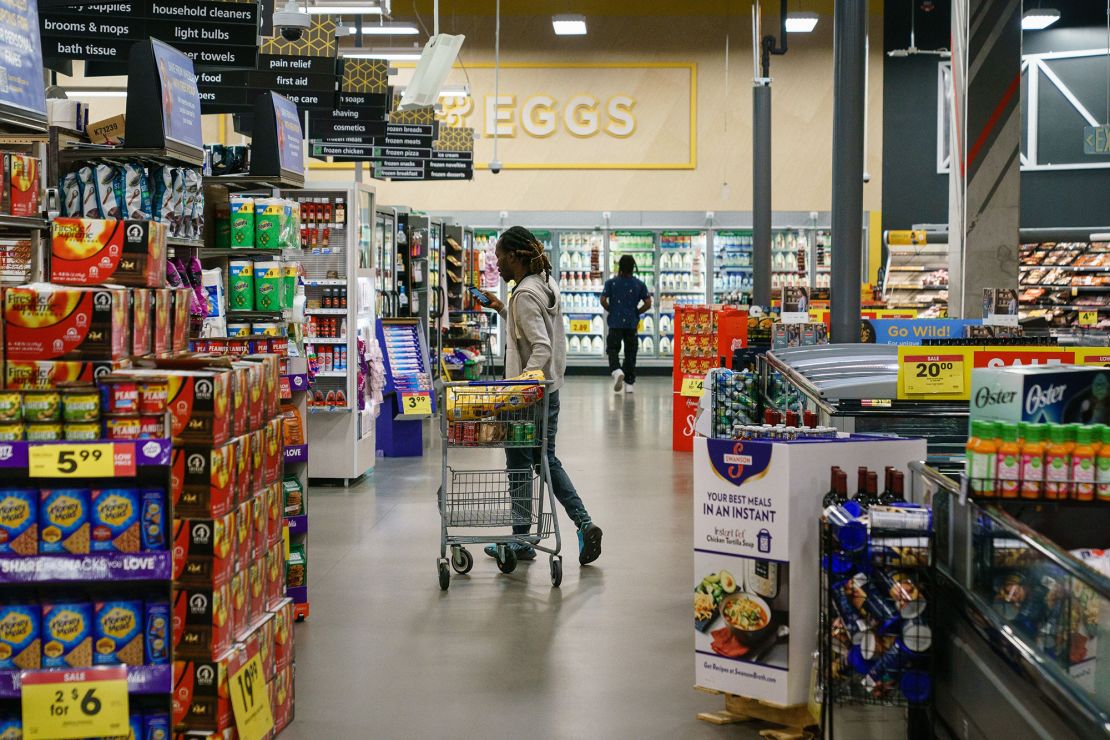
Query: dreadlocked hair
{"x": 527, "y": 248}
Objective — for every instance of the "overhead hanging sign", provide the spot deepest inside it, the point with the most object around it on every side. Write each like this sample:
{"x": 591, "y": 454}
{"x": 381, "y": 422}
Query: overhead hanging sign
{"x": 21, "y": 85}
{"x": 307, "y": 82}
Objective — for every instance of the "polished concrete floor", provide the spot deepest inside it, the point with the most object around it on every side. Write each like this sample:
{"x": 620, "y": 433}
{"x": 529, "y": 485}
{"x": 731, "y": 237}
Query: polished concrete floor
{"x": 386, "y": 654}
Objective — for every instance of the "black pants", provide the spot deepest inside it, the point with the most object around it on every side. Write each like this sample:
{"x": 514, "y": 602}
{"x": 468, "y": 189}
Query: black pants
{"x": 613, "y": 348}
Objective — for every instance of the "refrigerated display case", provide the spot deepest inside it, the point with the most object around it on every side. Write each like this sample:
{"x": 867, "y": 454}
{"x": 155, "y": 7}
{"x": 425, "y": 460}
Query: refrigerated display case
{"x": 683, "y": 275}
{"x": 790, "y": 258}
{"x": 487, "y": 277}
{"x": 580, "y": 265}
{"x": 416, "y": 254}
{"x": 822, "y": 259}
{"x": 436, "y": 283}
{"x": 916, "y": 273}
{"x": 454, "y": 266}
{"x": 642, "y": 246}
{"x": 385, "y": 242}
{"x": 732, "y": 266}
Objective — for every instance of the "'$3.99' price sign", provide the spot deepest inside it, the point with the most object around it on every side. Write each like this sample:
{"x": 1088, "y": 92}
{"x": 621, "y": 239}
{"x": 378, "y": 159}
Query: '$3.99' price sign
{"x": 88, "y": 702}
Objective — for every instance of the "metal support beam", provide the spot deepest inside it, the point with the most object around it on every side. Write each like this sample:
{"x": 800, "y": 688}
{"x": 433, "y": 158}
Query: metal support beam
{"x": 849, "y": 67}
{"x": 761, "y": 193}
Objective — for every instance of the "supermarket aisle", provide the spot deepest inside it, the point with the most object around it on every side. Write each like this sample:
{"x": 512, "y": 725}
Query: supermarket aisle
{"x": 386, "y": 654}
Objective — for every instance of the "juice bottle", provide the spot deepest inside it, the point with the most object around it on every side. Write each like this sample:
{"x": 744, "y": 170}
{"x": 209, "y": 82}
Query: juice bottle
{"x": 1032, "y": 461}
{"x": 1097, "y": 432}
{"x": 981, "y": 460}
{"x": 1102, "y": 466}
{"x": 1083, "y": 465}
{"x": 1056, "y": 465}
{"x": 1071, "y": 432}
{"x": 1009, "y": 462}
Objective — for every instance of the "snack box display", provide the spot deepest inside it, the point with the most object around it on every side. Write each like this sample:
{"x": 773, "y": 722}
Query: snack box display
{"x": 20, "y": 637}
{"x": 180, "y": 319}
{"x": 242, "y": 479}
{"x": 118, "y": 632}
{"x": 55, "y": 322}
{"x": 275, "y": 574}
{"x": 258, "y": 457}
{"x": 271, "y": 380}
{"x": 64, "y": 521}
{"x": 202, "y": 480}
{"x": 162, "y": 324}
{"x": 19, "y": 523}
{"x": 67, "y": 634}
{"x": 240, "y": 586}
{"x": 115, "y": 519}
{"x": 283, "y": 633}
{"x": 274, "y": 497}
{"x": 200, "y": 696}
{"x": 199, "y": 402}
{"x": 90, "y": 251}
{"x": 240, "y": 389}
{"x": 202, "y": 623}
{"x": 281, "y": 700}
{"x": 203, "y": 550}
{"x": 273, "y": 452}
{"x": 142, "y": 325}
{"x": 19, "y": 185}
{"x": 1054, "y": 394}
{"x": 49, "y": 374}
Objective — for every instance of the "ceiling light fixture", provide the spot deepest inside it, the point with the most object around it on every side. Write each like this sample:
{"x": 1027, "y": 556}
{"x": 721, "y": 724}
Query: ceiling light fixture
{"x": 393, "y": 55}
{"x": 95, "y": 92}
{"x": 802, "y": 22}
{"x": 569, "y": 25}
{"x": 390, "y": 29}
{"x": 1037, "y": 19}
{"x": 448, "y": 91}
{"x": 348, "y": 9}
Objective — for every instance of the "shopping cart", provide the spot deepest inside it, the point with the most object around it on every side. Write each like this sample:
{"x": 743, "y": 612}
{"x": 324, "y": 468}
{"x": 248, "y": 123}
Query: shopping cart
{"x": 489, "y": 415}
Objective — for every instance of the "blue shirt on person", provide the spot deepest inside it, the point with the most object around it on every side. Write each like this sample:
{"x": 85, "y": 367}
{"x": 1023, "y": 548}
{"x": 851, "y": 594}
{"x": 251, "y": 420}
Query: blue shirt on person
{"x": 624, "y": 294}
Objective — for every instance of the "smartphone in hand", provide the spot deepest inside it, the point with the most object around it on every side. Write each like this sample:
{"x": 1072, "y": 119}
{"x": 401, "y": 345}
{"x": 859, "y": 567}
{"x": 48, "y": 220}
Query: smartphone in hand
{"x": 479, "y": 296}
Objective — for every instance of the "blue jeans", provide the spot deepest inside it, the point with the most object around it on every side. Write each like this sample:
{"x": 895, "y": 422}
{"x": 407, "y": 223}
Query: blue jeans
{"x": 522, "y": 458}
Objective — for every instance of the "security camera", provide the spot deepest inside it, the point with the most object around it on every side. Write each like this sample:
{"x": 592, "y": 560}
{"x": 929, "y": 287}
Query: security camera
{"x": 291, "y": 21}
{"x": 495, "y": 166}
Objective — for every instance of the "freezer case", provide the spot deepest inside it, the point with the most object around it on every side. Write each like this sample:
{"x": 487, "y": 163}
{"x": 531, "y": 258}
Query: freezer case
{"x": 385, "y": 225}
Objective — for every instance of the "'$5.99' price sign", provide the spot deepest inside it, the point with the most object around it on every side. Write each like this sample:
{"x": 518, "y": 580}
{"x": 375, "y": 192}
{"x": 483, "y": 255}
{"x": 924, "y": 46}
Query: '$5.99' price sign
{"x": 87, "y": 702}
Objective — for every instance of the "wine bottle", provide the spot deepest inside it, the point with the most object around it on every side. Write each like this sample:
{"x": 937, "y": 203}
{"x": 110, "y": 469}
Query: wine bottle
{"x": 838, "y": 489}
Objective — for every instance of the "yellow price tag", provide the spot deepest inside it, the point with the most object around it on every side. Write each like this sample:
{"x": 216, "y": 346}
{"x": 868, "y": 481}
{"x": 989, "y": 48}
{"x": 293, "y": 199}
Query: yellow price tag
{"x": 250, "y": 701}
{"x": 95, "y": 460}
{"x": 1088, "y": 318}
{"x": 416, "y": 404}
{"x": 692, "y": 387}
{"x": 579, "y": 326}
{"x": 933, "y": 374}
{"x": 86, "y": 702}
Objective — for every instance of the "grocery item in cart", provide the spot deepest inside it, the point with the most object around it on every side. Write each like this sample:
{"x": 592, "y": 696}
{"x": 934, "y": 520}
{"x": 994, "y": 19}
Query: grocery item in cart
{"x": 473, "y": 402}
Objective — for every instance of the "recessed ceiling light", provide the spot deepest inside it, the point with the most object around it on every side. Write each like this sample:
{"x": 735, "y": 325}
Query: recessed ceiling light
{"x": 390, "y": 29}
{"x": 1037, "y": 19}
{"x": 396, "y": 55}
{"x": 569, "y": 25}
{"x": 340, "y": 9}
{"x": 801, "y": 22}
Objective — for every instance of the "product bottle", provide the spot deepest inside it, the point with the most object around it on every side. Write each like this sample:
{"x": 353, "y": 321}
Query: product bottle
{"x": 1083, "y": 465}
{"x": 1071, "y": 433}
{"x": 981, "y": 458}
{"x": 1009, "y": 462}
{"x": 1056, "y": 465}
{"x": 1032, "y": 461}
{"x": 1102, "y": 471}
{"x": 895, "y": 492}
{"x": 340, "y": 211}
{"x": 838, "y": 488}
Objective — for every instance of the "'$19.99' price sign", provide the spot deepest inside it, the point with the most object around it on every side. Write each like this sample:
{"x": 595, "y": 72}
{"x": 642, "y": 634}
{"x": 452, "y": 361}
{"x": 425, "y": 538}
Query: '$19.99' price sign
{"x": 89, "y": 702}
{"x": 251, "y": 701}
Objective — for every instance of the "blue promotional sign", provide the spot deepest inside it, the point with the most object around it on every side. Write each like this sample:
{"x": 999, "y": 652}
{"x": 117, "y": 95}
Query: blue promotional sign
{"x": 289, "y": 135}
{"x": 180, "y": 97}
{"x": 21, "y": 81}
{"x": 913, "y": 331}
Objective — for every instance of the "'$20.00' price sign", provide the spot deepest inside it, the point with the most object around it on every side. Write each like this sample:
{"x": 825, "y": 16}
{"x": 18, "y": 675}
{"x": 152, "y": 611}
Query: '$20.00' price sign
{"x": 88, "y": 702}
{"x": 933, "y": 374}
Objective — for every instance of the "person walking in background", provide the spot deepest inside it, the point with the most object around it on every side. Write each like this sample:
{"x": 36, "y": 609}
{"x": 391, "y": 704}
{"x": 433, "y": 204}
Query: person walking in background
{"x": 625, "y": 297}
{"x": 536, "y": 341}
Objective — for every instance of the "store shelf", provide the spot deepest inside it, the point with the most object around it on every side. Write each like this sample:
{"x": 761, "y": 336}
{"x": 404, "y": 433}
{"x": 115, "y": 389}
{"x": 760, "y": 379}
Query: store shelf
{"x": 180, "y": 241}
{"x": 212, "y": 252}
{"x": 1068, "y": 268}
{"x": 1066, "y": 306}
{"x": 22, "y": 223}
{"x": 296, "y": 454}
{"x": 249, "y": 182}
{"x": 329, "y": 409}
{"x": 326, "y": 282}
{"x": 325, "y": 340}
{"x": 108, "y": 566}
{"x": 89, "y": 152}
{"x": 325, "y": 312}
{"x": 141, "y": 679}
{"x": 1085, "y": 288}
{"x": 331, "y": 374}
{"x": 258, "y": 315}
{"x": 297, "y": 524}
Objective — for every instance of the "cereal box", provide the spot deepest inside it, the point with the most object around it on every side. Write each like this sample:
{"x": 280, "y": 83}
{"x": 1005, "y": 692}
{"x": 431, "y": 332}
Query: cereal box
{"x": 91, "y": 251}
{"x": 203, "y": 550}
{"x": 200, "y": 698}
{"x": 118, "y": 633}
{"x": 201, "y": 478}
{"x": 201, "y": 620}
{"x": 54, "y": 322}
{"x": 154, "y": 519}
{"x": 115, "y": 520}
{"x": 20, "y": 647}
{"x": 19, "y": 521}
{"x": 64, "y": 521}
{"x": 156, "y": 632}
{"x": 49, "y": 374}
{"x": 67, "y": 635}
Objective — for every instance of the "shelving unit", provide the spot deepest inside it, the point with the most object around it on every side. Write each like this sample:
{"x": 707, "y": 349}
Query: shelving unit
{"x": 296, "y": 468}
{"x": 580, "y": 263}
{"x": 1059, "y": 279}
{"x": 732, "y": 266}
{"x": 917, "y": 277}
{"x": 385, "y": 262}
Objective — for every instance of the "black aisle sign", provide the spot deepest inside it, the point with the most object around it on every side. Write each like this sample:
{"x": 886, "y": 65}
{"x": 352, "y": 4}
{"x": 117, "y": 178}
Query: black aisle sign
{"x": 309, "y": 82}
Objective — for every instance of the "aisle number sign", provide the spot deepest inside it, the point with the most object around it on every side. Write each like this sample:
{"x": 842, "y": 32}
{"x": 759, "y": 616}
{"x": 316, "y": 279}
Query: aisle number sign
{"x": 95, "y": 460}
{"x": 933, "y": 374}
{"x": 250, "y": 701}
{"x": 88, "y": 702}
{"x": 692, "y": 386}
{"x": 416, "y": 404}
{"x": 579, "y": 326}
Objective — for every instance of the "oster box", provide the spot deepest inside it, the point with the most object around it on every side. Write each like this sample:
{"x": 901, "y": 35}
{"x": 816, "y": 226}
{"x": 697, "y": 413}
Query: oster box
{"x": 48, "y": 374}
{"x": 142, "y": 324}
{"x": 162, "y": 324}
{"x": 1055, "y": 394}
{"x": 201, "y": 620}
{"x": 203, "y": 551}
{"x": 90, "y": 251}
{"x": 201, "y": 480}
{"x": 199, "y": 402}
{"x": 54, "y": 322}
{"x": 200, "y": 695}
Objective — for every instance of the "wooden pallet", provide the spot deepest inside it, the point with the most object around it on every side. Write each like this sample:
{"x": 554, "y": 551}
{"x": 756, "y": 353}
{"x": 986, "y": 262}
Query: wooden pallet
{"x": 796, "y": 722}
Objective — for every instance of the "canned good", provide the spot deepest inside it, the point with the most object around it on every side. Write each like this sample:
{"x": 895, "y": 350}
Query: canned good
{"x": 11, "y": 405}
{"x": 40, "y": 406}
{"x": 119, "y": 395}
{"x": 44, "y": 432}
{"x": 80, "y": 405}
{"x": 903, "y": 516}
{"x": 122, "y": 427}
{"x": 152, "y": 427}
{"x": 83, "y": 432}
{"x": 11, "y": 432}
{"x": 154, "y": 395}
{"x": 529, "y": 431}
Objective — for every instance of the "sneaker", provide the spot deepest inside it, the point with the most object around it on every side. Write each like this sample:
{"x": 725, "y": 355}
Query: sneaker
{"x": 589, "y": 543}
{"x": 523, "y": 552}
{"x": 628, "y": 388}
{"x": 618, "y": 380}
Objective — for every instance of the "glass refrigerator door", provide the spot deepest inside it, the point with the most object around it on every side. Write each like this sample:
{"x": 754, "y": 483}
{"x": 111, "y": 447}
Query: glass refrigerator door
{"x": 641, "y": 246}
{"x": 789, "y": 258}
{"x": 823, "y": 264}
{"x": 580, "y": 265}
{"x": 732, "y": 267}
{"x": 487, "y": 277}
{"x": 682, "y": 277}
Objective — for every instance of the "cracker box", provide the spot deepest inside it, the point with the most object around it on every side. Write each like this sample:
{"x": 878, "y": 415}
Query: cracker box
{"x": 203, "y": 550}
{"x": 142, "y": 323}
{"x": 282, "y": 703}
{"x": 55, "y": 322}
{"x": 91, "y": 251}
{"x": 118, "y": 632}
{"x": 114, "y": 520}
{"x": 239, "y": 588}
{"x": 156, "y": 632}
{"x": 19, "y": 521}
{"x": 21, "y": 185}
{"x": 199, "y": 401}
{"x": 20, "y": 646}
{"x": 201, "y": 620}
{"x": 153, "y": 520}
{"x": 200, "y": 694}
{"x": 273, "y": 452}
{"x": 180, "y": 319}
{"x": 283, "y": 634}
{"x": 48, "y": 374}
{"x": 162, "y": 329}
{"x": 64, "y": 521}
{"x": 201, "y": 478}
{"x": 67, "y": 634}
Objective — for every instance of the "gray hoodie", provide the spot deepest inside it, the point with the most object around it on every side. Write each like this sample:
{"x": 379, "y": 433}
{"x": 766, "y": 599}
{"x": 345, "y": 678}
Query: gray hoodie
{"x": 534, "y": 325}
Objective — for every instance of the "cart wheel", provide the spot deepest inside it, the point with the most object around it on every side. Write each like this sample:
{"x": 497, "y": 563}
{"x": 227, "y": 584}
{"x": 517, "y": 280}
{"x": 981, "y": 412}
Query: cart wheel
{"x": 556, "y": 571}
{"x": 461, "y": 560}
{"x": 444, "y": 575}
{"x": 506, "y": 559}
